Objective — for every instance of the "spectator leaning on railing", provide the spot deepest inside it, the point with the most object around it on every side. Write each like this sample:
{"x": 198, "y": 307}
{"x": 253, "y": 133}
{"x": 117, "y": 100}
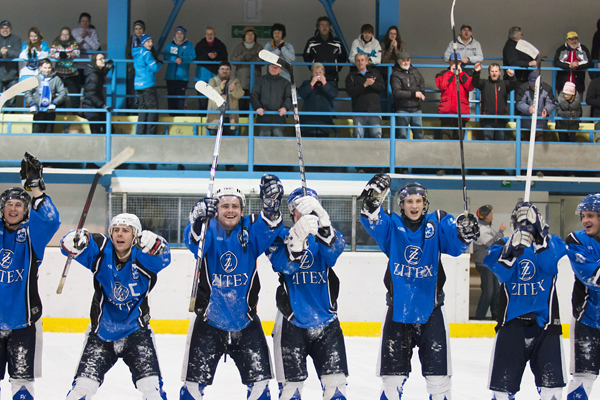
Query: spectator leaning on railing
{"x": 64, "y": 49}
{"x": 43, "y": 100}
{"x": 180, "y": 52}
{"x": 10, "y": 47}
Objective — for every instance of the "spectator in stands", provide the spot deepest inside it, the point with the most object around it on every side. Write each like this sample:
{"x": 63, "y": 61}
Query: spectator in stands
{"x": 318, "y": 94}
{"x": 208, "y": 49}
{"x": 139, "y": 28}
{"x": 596, "y": 52}
{"x": 593, "y": 99}
{"x": 408, "y": 88}
{"x": 574, "y": 59}
{"x": 246, "y": 51}
{"x": 495, "y": 93}
{"x": 10, "y": 47}
{"x": 468, "y": 47}
{"x": 33, "y": 50}
{"x": 43, "y": 100}
{"x": 271, "y": 92}
{"x": 392, "y": 46}
{"x": 511, "y": 57}
{"x": 366, "y": 43}
{"x": 179, "y": 52}
{"x": 545, "y": 108}
{"x": 446, "y": 82}
{"x": 364, "y": 86}
{"x": 93, "y": 91}
{"x": 225, "y": 86}
{"x": 324, "y": 47}
{"x": 568, "y": 107}
{"x": 280, "y": 47}
{"x": 146, "y": 67}
{"x": 65, "y": 49}
{"x": 86, "y": 35}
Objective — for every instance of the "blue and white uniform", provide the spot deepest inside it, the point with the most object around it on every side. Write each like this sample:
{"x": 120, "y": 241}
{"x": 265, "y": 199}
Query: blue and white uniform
{"x": 185, "y": 51}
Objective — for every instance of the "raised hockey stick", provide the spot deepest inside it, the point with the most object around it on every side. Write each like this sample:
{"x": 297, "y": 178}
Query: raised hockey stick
{"x": 18, "y": 88}
{"x": 532, "y": 132}
{"x": 275, "y": 59}
{"x": 458, "y": 105}
{"x": 213, "y": 95}
{"x": 106, "y": 169}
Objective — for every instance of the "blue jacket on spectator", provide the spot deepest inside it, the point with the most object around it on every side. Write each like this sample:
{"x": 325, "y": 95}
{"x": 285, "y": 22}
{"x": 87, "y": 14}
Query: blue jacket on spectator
{"x": 179, "y": 72}
{"x": 146, "y": 68}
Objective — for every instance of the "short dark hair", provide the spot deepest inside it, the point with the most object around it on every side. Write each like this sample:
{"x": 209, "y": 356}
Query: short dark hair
{"x": 46, "y": 61}
{"x": 494, "y": 65}
{"x": 84, "y": 14}
{"x": 323, "y": 18}
{"x": 225, "y": 63}
{"x": 368, "y": 28}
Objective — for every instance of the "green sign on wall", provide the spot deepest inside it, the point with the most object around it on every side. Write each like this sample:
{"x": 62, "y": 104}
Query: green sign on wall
{"x": 262, "y": 31}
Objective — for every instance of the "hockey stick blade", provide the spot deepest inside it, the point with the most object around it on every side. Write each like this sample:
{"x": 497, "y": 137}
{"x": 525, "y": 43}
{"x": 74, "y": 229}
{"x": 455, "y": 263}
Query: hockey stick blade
{"x": 116, "y": 161}
{"x": 20, "y": 87}
{"x": 269, "y": 57}
{"x": 210, "y": 92}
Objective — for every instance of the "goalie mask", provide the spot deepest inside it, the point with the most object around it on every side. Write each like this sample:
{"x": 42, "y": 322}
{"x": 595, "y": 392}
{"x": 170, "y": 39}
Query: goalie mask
{"x": 410, "y": 189}
{"x": 591, "y": 202}
{"x": 15, "y": 193}
{"x": 231, "y": 191}
{"x": 296, "y": 194}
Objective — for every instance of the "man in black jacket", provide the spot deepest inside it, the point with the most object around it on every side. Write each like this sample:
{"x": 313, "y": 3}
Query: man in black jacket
{"x": 593, "y": 99}
{"x": 208, "y": 49}
{"x": 574, "y": 59}
{"x": 364, "y": 86}
{"x": 494, "y": 99}
{"x": 271, "y": 92}
{"x": 515, "y": 58}
{"x": 324, "y": 47}
{"x": 10, "y": 47}
{"x": 408, "y": 87}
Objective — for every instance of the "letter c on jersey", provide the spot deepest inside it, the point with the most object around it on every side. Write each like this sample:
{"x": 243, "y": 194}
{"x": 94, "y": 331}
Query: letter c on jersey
{"x": 229, "y": 262}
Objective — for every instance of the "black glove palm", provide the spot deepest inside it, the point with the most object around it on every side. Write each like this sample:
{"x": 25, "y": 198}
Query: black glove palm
{"x": 32, "y": 172}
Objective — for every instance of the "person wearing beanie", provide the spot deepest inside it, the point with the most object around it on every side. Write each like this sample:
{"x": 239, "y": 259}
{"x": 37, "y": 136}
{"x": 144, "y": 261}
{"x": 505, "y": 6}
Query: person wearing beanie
{"x": 490, "y": 288}
{"x": 246, "y": 51}
{"x": 208, "y": 49}
{"x": 178, "y": 53}
{"x": 139, "y": 28}
{"x": 574, "y": 59}
{"x": 10, "y": 47}
{"x": 408, "y": 89}
{"x": 280, "y": 47}
{"x": 569, "y": 109}
{"x": 545, "y": 108}
{"x": 146, "y": 67}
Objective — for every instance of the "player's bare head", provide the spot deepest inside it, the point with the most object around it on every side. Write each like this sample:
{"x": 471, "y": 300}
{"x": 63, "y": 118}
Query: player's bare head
{"x": 14, "y": 206}
{"x": 413, "y": 200}
{"x": 588, "y": 210}
{"x": 124, "y": 230}
{"x": 231, "y": 207}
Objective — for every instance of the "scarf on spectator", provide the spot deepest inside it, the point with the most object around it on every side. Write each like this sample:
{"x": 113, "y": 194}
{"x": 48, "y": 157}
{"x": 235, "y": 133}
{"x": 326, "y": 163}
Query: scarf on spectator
{"x": 45, "y": 93}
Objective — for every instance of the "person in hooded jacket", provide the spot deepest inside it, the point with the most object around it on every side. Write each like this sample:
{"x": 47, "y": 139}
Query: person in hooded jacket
{"x": 146, "y": 67}
{"x": 367, "y": 44}
{"x": 139, "y": 28}
{"x": 246, "y": 51}
{"x": 43, "y": 99}
{"x": 93, "y": 92}
{"x": 64, "y": 49}
{"x": 179, "y": 53}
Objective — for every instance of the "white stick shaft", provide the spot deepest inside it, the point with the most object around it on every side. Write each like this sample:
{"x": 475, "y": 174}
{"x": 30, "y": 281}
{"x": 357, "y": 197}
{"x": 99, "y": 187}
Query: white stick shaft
{"x": 536, "y": 102}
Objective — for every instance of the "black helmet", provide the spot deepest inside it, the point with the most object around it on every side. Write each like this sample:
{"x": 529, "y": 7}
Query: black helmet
{"x": 413, "y": 188}
{"x": 15, "y": 193}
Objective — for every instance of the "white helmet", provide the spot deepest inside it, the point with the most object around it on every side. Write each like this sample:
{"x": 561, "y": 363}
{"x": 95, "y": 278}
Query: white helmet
{"x": 231, "y": 191}
{"x": 127, "y": 220}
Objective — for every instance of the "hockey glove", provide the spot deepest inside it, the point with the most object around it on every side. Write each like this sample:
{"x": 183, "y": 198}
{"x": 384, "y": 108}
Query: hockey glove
{"x": 33, "y": 109}
{"x": 526, "y": 213}
{"x": 374, "y": 194}
{"x": 296, "y": 238}
{"x": 205, "y": 209}
{"x": 307, "y": 205}
{"x": 32, "y": 173}
{"x": 151, "y": 243}
{"x": 518, "y": 241}
{"x": 467, "y": 227}
{"x": 75, "y": 245}
{"x": 271, "y": 193}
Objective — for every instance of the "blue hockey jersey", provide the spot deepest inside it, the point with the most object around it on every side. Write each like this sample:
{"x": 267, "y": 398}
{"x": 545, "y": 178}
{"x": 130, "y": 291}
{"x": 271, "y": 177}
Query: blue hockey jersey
{"x": 228, "y": 283}
{"x": 415, "y": 276}
{"x": 21, "y": 255}
{"x": 307, "y": 296}
{"x": 120, "y": 302}
{"x": 584, "y": 254}
{"x": 529, "y": 282}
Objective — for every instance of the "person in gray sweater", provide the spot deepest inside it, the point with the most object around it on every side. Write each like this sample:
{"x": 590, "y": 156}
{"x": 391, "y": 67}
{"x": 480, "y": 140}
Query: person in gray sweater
{"x": 490, "y": 288}
{"x": 271, "y": 92}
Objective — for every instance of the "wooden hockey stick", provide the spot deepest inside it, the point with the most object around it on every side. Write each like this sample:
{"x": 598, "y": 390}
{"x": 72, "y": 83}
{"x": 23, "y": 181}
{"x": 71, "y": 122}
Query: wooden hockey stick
{"x": 106, "y": 169}
{"x": 18, "y": 88}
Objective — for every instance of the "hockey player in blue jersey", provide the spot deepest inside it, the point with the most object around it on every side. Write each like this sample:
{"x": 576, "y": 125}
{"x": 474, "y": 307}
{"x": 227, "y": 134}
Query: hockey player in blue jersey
{"x": 27, "y": 227}
{"x": 226, "y": 321}
{"x": 125, "y": 265}
{"x": 529, "y": 328}
{"x": 414, "y": 242}
{"x": 584, "y": 254}
{"x": 307, "y": 323}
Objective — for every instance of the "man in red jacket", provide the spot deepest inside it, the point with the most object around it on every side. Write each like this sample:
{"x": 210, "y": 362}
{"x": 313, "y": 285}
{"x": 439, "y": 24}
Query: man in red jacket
{"x": 446, "y": 82}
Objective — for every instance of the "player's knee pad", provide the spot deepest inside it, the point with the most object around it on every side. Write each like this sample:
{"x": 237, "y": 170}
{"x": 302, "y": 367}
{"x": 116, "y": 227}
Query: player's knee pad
{"x": 580, "y": 386}
{"x": 83, "y": 389}
{"x": 391, "y": 387}
{"x": 191, "y": 391}
{"x": 259, "y": 390}
{"x": 550, "y": 393}
{"x": 334, "y": 386}
{"x": 503, "y": 396}
{"x": 290, "y": 390}
{"x": 21, "y": 389}
{"x": 151, "y": 388}
{"x": 438, "y": 387}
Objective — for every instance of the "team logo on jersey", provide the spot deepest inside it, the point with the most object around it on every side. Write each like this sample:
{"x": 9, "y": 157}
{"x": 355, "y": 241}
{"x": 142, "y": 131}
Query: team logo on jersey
{"x": 21, "y": 236}
{"x": 135, "y": 275}
{"x": 120, "y": 292}
{"x": 429, "y": 230}
{"x": 6, "y": 258}
{"x": 243, "y": 237}
{"x": 307, "y": 259}
{"x": 526, "y": 270}
{"x": 580, "y": 259}
{"x": 229, "y": 262}
{"x": 413, "y": 254}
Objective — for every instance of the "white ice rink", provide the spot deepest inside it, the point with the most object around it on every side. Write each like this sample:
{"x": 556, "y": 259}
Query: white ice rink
{"x": 471, "y": 358}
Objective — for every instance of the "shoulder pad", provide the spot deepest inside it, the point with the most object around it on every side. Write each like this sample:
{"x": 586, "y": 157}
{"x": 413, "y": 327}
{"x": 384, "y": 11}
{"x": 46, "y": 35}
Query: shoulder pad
{"x": 572, "y": 239}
